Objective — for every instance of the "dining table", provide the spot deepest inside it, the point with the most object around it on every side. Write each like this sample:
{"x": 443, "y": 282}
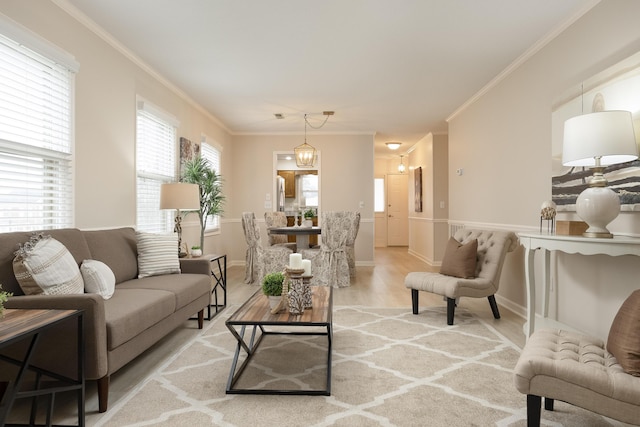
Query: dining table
{"x": 301, "y": 233}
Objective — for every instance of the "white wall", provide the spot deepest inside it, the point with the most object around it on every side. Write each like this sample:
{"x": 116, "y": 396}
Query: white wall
{"x": 503, "y": 142}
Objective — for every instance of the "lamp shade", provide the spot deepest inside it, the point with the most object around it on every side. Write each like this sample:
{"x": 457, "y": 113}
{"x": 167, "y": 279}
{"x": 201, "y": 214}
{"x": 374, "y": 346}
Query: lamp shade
{"x": 605, "y": 134}
{"x": 180, "y": 195}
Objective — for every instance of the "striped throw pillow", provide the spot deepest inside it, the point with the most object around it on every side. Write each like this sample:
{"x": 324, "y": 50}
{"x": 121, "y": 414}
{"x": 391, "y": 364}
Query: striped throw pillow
{"x": 157, "y": 254}
{"x": 43, "y": 265}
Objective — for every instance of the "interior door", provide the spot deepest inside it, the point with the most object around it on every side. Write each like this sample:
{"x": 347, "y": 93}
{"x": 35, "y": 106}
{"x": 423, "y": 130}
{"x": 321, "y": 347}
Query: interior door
{"x": 398, "y": 210}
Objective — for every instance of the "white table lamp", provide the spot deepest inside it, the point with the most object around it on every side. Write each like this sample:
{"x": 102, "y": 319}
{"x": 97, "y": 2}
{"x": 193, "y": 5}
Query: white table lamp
{"x": 179, "y": 196}
{"x": 597, "y": 140}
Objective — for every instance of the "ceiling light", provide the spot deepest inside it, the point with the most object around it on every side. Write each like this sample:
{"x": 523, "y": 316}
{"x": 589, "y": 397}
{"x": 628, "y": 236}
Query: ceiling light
{"x": 305, "y": 154}
{"x": 279, "y": 116}
{"x": 393, "y": 145}
{"x": 401, "y": 167}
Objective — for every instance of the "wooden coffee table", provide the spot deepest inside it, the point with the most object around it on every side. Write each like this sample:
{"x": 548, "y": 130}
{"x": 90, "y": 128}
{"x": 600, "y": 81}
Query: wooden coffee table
{"x": 257, "y": 314}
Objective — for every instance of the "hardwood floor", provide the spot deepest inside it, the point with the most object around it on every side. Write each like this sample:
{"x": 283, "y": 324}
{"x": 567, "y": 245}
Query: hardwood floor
{"x": 378, "y": 286}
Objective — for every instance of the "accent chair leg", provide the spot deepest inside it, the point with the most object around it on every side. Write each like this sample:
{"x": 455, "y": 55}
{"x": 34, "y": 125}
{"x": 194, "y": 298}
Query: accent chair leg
{"x": 494, "y": 306}
{"x": 103, "y": 393}
{"x": 548, "y": 404}
{"x": 414, "y": 300}
{"x": 533, "y": 410}
{"x": 451, "y": 308}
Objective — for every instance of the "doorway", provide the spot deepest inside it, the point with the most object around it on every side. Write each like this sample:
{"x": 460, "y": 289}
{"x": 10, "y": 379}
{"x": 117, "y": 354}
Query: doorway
{"x": 398, "y": 210}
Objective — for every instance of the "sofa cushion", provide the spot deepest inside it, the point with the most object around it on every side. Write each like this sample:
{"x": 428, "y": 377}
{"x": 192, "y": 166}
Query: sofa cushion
{"x": 624, "y": 336}
{"x": 43, "y": 265}
{"x": 185, "y": 288}
{"x": 116, "y": 248}
{"x": 98, "y": 278}
{"x": 460, "y": 259}
{"x": 157, "y": 254}
{"x": 131, "y": 311}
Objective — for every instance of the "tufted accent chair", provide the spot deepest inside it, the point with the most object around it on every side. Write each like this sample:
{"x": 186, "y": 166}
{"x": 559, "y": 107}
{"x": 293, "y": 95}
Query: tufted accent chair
{"x": 492, "y": 250}
{"x": 575, "y": 368}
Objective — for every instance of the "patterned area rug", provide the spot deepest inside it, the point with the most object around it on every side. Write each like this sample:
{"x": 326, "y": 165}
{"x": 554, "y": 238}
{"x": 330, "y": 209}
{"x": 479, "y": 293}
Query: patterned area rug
{"x": 390, "y": 368}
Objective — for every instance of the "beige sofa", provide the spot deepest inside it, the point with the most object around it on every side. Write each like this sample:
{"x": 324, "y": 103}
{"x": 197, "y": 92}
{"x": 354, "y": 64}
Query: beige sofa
{"x": 140, "y": 312}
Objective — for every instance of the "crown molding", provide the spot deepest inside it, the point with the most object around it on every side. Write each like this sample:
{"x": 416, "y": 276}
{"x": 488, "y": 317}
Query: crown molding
{"x": 90, "y": 24}
{"x": 528, "y": 54}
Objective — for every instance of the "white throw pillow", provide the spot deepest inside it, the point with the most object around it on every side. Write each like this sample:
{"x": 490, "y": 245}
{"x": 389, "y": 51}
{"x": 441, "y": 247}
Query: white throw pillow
{"x": 43, "y": 265}
{"x": 157, "y": 254}
{"x": 98, "y": 278}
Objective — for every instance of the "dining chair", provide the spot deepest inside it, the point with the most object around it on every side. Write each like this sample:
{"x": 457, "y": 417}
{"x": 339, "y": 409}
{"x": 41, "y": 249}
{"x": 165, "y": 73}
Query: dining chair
{"x": 260, "y": 261}
{"x": 329, "y": 265}
{"x": 278, "y": 219}
{"x": 350, "y": 246}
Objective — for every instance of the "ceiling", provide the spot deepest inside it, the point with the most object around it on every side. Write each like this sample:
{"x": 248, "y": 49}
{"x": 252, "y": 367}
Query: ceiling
{"x": 396, "y": 69}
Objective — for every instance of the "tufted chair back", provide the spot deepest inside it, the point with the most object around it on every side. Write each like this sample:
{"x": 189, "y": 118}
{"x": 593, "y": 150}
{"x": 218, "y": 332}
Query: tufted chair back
{"x": 492, "y": 248}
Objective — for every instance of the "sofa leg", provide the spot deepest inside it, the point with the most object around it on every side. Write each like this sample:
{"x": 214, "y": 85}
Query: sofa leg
{"x": 451, "y": 308}
{"x": 494, "y": 306}
{"x": 201, "y": 319}
{"x": 548, "y": 404}
{"x": 533, "y": 410}
{"x": 414, "y": 300}
{"x": 103, "y": 393}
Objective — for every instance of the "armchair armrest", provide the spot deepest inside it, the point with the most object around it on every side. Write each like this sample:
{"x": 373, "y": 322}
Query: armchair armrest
{"x": 95, "y": 329}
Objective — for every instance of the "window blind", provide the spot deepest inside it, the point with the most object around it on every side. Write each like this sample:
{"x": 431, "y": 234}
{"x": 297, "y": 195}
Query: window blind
{"x": 212, "y": 154}
{"x": 155, "y": 164}
{"x": 36, "y": 159}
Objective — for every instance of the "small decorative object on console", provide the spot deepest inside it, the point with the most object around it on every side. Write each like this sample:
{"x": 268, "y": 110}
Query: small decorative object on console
{"x": 548, "y": 213}
{"x": 196, "y": 251}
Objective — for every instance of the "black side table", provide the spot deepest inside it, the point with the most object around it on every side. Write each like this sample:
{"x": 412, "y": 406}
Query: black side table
{"x": 22, "y": 324}
{"x": 219, "y": 276}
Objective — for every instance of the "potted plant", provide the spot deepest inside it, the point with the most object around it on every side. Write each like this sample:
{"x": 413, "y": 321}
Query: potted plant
{"x": 4, "y": 297}
{"x": 199, "y": 171}
{"x": 308, "y": 218}
{"x": 196, "y": 251}
{"x": 272, "y": 288}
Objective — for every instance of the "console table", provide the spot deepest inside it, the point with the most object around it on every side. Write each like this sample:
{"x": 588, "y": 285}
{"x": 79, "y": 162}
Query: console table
{"x": 617, "y": 246}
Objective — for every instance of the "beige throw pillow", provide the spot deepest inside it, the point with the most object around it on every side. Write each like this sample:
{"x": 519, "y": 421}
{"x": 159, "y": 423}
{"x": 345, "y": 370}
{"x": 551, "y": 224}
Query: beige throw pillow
{"x": 157, "y": 254}
{"x": 460, "y": 260}
{"x": 624, "y": 335}
{"x": 43, "y": 265}
{"x": 98, "y": 278}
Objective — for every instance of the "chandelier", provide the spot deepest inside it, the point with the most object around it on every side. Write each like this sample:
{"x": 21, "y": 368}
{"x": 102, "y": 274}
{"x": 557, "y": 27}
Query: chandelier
{"x": 305, "y": 154}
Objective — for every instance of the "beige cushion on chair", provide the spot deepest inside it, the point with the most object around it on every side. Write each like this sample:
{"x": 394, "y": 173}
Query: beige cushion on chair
{"x": 624, "y": 335}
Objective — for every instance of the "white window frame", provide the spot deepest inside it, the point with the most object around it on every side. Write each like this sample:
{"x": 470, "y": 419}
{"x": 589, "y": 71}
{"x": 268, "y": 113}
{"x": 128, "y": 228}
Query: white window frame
{"x": 156, "y": 153}
{"x": 37, "y": 93}
{"x": 212, "y": 151}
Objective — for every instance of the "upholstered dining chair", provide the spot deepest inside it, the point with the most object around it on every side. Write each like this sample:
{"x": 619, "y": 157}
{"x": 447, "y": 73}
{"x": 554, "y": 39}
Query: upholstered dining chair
{"x": 260, "y": 261}
{"x": 471, "y": 267}
{"x": 278, "y": 219}
{"x": 351, "y": 242}
{"x": 329, "y": 265}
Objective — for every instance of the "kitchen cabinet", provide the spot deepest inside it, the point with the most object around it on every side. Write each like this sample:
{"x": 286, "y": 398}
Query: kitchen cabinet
{"x": 289, "y": 183}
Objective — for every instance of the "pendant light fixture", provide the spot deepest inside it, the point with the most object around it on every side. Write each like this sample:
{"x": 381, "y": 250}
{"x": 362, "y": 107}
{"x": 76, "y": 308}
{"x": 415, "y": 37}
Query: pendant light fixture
{"x": 305, "y": 154}
{"x": 401, "y": 167}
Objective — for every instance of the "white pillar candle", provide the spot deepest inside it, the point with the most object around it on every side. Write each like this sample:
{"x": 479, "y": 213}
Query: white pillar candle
{"x": 306, "y": 264}
{"x": 295, "y": 261}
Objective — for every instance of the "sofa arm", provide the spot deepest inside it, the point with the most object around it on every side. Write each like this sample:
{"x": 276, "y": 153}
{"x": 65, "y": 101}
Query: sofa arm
{"x": 95, "y": 329}
{"x": 195, "y": 266}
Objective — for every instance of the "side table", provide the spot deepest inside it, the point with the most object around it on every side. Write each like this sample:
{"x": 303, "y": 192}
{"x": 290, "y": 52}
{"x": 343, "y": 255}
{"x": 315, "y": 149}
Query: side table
{"x": 21, "y": 324}
{"x": 218, "y": 269}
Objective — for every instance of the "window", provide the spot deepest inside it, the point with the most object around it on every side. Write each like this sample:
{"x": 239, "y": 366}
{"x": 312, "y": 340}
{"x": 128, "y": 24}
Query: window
{"x": 378, "y": 195}
{"x": 36, "y": 133}
{"x": 211, "y": 152}
{"x": 155, "y": 165}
